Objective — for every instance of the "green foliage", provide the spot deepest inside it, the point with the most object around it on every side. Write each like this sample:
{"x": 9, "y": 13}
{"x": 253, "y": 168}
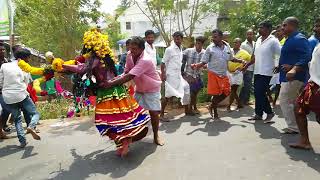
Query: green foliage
{"x": 182, "y": 14}
{"x": 250, "y": 13}
{"x": 203, "y": 94}
{"x": 113, "y": 30}
{"x": 55, "y": 25}
{"x": 305, "y": 10}
{"x": 58, "y": 108}
{"x": 55, "y": 109}
{"x": 241, "y": 18}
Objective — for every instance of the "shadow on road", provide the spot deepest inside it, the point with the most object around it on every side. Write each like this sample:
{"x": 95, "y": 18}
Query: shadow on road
{"x": 100, "y": 162}
{"x": 12, "y": 149}
{"x": 311, "y": 158}
{"x": 266, "y": 131}
{"x": 214, "y": 128}
{"x": 65, "y": 127}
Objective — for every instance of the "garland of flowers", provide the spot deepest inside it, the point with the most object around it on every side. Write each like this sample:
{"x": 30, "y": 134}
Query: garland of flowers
{"x": 47, "y": 72}
{"x": 98, "y": 43}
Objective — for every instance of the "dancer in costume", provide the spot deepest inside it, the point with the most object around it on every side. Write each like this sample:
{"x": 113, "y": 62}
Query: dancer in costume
{"x": 117, "y": 114}
{"x": 142, "y": 71}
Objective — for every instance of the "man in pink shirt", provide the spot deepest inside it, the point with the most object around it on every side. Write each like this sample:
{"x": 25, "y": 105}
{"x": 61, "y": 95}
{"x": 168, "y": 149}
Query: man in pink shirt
{"x": 142, "y": 71}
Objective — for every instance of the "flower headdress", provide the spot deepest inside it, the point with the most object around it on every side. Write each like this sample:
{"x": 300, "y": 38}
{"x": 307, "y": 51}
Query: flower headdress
{"x": 98, "y": 43}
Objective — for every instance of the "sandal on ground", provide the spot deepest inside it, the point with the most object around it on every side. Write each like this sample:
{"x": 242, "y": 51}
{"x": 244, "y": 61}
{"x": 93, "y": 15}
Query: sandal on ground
{"x": 255, "y": 118}
{"x": 33, "y": 134}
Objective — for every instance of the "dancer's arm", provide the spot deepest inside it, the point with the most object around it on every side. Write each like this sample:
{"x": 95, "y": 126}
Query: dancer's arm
{"x": 79, "y": 69}
{"x": 117, "y": 81}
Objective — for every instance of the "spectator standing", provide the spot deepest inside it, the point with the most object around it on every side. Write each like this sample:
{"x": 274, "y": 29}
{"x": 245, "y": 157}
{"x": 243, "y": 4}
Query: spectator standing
{"x": 193, "y": 76}
{"x": 175, "y": 85}
{"x": 247, "y": 89}
{"x": 315, "y": 38}
{"x": 293, "y": 67}
{"x": 235, "y": 73}
{"x": 266, "y": 49}
{"x": 150, "y": 50}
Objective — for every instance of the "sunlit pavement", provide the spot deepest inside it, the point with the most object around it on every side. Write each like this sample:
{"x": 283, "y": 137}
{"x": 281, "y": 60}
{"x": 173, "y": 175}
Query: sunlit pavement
{"x": 196, "y": 148}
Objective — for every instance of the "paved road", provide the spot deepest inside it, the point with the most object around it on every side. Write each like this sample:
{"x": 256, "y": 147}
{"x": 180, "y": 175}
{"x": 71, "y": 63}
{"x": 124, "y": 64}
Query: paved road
{"x": 196, "y": 149}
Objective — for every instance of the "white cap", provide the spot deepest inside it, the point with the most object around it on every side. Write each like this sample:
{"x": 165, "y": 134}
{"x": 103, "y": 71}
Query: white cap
{"x": 49, "y": 55}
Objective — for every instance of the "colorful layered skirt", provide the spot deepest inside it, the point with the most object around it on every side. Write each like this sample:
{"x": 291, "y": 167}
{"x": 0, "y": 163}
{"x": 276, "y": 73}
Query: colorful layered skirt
{"x": 118, "y": 115}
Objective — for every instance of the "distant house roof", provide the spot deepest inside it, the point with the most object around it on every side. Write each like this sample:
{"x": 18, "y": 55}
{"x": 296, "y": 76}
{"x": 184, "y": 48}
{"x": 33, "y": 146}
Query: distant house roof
{"x": 34, "y": 52}
{"x": 7, "y": 38}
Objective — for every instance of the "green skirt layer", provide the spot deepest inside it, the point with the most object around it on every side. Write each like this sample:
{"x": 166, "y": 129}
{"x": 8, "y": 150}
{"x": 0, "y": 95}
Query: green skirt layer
{"x": 116, "y": 92}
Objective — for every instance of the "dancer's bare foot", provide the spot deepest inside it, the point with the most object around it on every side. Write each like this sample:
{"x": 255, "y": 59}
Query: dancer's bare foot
{"x": 33, "y": 133}
{"x": 158, "y": 141}
{"x": 119, "y": 150}
{"x": 125, "y": 147}
{"x": 301, "y": 145}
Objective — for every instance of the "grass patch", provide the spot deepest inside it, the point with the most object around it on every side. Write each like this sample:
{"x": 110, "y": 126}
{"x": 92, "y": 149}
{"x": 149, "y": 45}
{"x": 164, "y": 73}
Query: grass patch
{"x": 57, "y": 108}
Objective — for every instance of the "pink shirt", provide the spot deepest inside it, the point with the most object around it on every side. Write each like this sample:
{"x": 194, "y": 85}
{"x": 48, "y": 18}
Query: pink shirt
{"x": 146, "y": 78}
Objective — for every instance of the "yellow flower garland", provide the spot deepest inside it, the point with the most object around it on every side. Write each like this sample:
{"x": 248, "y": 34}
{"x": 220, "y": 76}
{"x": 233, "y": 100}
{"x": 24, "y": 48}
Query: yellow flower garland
{"x": 36, "y": 84}
{"x": 97, "y": 42}
{"x": 29, "y": 69}
{"x": 57, "y": 64}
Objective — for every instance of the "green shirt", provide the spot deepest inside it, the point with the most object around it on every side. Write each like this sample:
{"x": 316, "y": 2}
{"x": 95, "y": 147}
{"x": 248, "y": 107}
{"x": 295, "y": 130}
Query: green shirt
{"x": 50, "y": 87}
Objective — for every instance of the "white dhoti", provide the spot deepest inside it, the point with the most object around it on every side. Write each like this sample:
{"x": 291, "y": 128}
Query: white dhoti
{"x": 176, "y": 86}
{"x": 275, "y": 79}
{"x": 235, "y": 78}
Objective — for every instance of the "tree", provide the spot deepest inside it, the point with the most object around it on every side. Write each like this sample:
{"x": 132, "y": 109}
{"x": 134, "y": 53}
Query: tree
{"x": 241, "y": 18}
{"x": 113, "y": 29}
{"x": 304, "y": 10}
{"x": 55, "y": 25}
{"x": 250, "y": 13}
{"x": 181, "y": 15}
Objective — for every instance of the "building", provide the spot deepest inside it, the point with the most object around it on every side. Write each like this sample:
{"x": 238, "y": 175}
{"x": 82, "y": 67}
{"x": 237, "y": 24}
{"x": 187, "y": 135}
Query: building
{"x": 133, "y": 22}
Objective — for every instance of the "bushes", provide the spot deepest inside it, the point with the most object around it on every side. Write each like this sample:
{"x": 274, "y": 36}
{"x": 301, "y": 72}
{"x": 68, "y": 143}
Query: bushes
{"x": 55, "y": 109}
{"x": 203, "y": 96}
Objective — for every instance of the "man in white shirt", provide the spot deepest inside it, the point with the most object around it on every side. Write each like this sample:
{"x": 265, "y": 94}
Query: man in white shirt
{"x": 266, "y": 49}
{"x": 246, "y": 89}
{"x": 15, "y": 95}
{"x": 175, "y": 85}
{"x": 150, "y": 50}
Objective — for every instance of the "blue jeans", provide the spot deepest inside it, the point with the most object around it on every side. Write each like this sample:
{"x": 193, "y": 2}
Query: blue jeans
{"x": 5, "y": 112}
{"x": 28, "y": 105}
{"x": 246, "y": 90}
{"x": 261, "y": 86}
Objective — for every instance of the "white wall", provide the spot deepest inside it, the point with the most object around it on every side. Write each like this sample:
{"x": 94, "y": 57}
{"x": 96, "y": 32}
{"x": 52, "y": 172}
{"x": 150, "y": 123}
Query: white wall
{"x": 140, "y": 23}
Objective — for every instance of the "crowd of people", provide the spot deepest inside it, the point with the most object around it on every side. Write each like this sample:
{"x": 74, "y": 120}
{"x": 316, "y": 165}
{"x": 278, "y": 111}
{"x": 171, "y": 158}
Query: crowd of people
{"x": 280, "y": 60}
{"x": 277, "y": 62}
